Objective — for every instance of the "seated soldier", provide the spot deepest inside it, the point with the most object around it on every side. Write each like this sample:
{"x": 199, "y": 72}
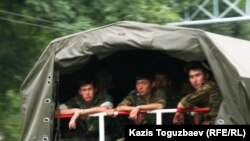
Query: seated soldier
{"x": 88, "y": 101}
{"x": 163, "y": 82}
{"x": 143, "y": 98}
{"x": 205, "y": 94}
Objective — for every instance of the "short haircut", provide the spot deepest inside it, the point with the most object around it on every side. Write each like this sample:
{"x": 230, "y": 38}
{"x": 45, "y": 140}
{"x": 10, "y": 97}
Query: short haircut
{"x": 143, "y": 76}
{"x": 86, "y": 82}
{"x": 162, "y": 72}
{"x": 194, "y": 66}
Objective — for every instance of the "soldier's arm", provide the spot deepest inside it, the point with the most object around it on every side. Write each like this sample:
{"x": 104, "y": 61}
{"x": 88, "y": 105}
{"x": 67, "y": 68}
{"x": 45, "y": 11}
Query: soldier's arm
{"x": 104, "y": 107}
{"x": 179, "y": 117}
{"x": 180, "y": 106}
{"x": 67, "y": 111}
{"x": 200, "y": 94}
{"x": 159, "y": 102}
{"x": 81, "y": 112}
{"x": 214, "y": 104}
{"x": 94, "y": 110}
{"x": 152, "y": 106}
{"x": 69, "y": 107}
{"x": 134, "y": 111}
{"x": 127, "y": 103}
{"x": 125, "y": 108}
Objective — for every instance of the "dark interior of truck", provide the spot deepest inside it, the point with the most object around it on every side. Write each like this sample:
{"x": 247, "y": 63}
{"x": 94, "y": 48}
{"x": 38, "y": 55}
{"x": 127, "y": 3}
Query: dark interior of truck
{"x": 120, "y": 70}
{"x": 117, "y": 73}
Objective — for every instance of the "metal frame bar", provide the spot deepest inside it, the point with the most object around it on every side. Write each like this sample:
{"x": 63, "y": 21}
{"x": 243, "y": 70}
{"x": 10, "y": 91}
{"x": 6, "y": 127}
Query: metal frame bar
{"x": 158, "y": 113}
{"x": 101, "y": 127}
{"x": 216, "y": 16}
{"x": 232, "y": 6}
{"x": 248, "y": 7}
{"x": 199, "y": 22}
{"x": 199, "y": 8}
{"x": 216, "y": 8}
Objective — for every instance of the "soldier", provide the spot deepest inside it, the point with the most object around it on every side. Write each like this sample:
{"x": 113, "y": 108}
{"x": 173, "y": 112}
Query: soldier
{"x": 143, "y": 98}
{"x": 163, "y": 82}
{"x": 205, "y": 94}
{"x": 88, "y": 101}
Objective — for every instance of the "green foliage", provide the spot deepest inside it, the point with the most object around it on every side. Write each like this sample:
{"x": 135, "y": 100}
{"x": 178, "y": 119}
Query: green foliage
{"x": 85, "y": 14}
{"x": 43, "y": 21}
{"x": 244, "y": 31}
{"x": 10, "y": 117}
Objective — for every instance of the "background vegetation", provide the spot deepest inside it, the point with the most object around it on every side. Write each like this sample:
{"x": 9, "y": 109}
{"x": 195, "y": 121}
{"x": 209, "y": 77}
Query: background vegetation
{"x": 27, "y": 27}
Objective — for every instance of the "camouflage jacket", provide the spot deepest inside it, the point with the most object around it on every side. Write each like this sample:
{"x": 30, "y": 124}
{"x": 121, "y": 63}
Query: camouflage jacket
{"x": 207, "y": 95}
{"x": 134, "y": 99}
{"x": 78, "y": 102}
{"x": 90, "y": 125}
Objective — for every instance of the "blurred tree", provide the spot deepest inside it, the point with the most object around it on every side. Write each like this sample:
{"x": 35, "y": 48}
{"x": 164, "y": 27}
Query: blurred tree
{"x": 85, "y": 14}
{"x": 11, "y": 71}
{"x": 27, "y": 27}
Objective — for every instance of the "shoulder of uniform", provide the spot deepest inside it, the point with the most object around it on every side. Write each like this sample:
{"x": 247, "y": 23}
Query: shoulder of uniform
{"x": 77, "y": 98}
{"x": 160, "y": 92}
{"x": 103, "y": 95}
{"x": 209, "y": 85}
{"x": 133, "y": 92}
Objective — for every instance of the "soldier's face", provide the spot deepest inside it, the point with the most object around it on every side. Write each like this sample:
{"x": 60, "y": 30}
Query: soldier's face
{"x": 143, "y": 86}
{"x": 197, "y": 78}
{"x": 87, "y": 92}
{"x": 161, "y": 81}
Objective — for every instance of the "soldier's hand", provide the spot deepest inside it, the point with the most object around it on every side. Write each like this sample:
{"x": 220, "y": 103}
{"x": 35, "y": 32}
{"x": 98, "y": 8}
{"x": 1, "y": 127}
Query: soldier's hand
{"x": 140, "y": 117}
{"x": 110, "y": 112}
{"x": 72, "y": 124}
{"x": 178, "y": 118}
{"x": 134, "y": 114}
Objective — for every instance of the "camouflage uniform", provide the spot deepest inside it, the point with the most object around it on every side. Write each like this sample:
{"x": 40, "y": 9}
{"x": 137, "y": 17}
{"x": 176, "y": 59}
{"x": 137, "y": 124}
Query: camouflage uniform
{"x": 87, "y": 129}
{"x": 206, "y": 96}
{"x": 172, "y": 99}
{"x": 134, "y": 99}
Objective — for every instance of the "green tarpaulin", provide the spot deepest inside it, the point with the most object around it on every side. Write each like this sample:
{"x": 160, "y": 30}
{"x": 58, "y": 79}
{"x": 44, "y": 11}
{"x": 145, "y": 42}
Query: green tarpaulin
{"x": 228, "y": 57}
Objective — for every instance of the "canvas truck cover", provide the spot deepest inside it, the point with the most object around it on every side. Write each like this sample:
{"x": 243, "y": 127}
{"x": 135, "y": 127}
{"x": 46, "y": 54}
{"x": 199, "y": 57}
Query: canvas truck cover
{"x": 228, "y": 58}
